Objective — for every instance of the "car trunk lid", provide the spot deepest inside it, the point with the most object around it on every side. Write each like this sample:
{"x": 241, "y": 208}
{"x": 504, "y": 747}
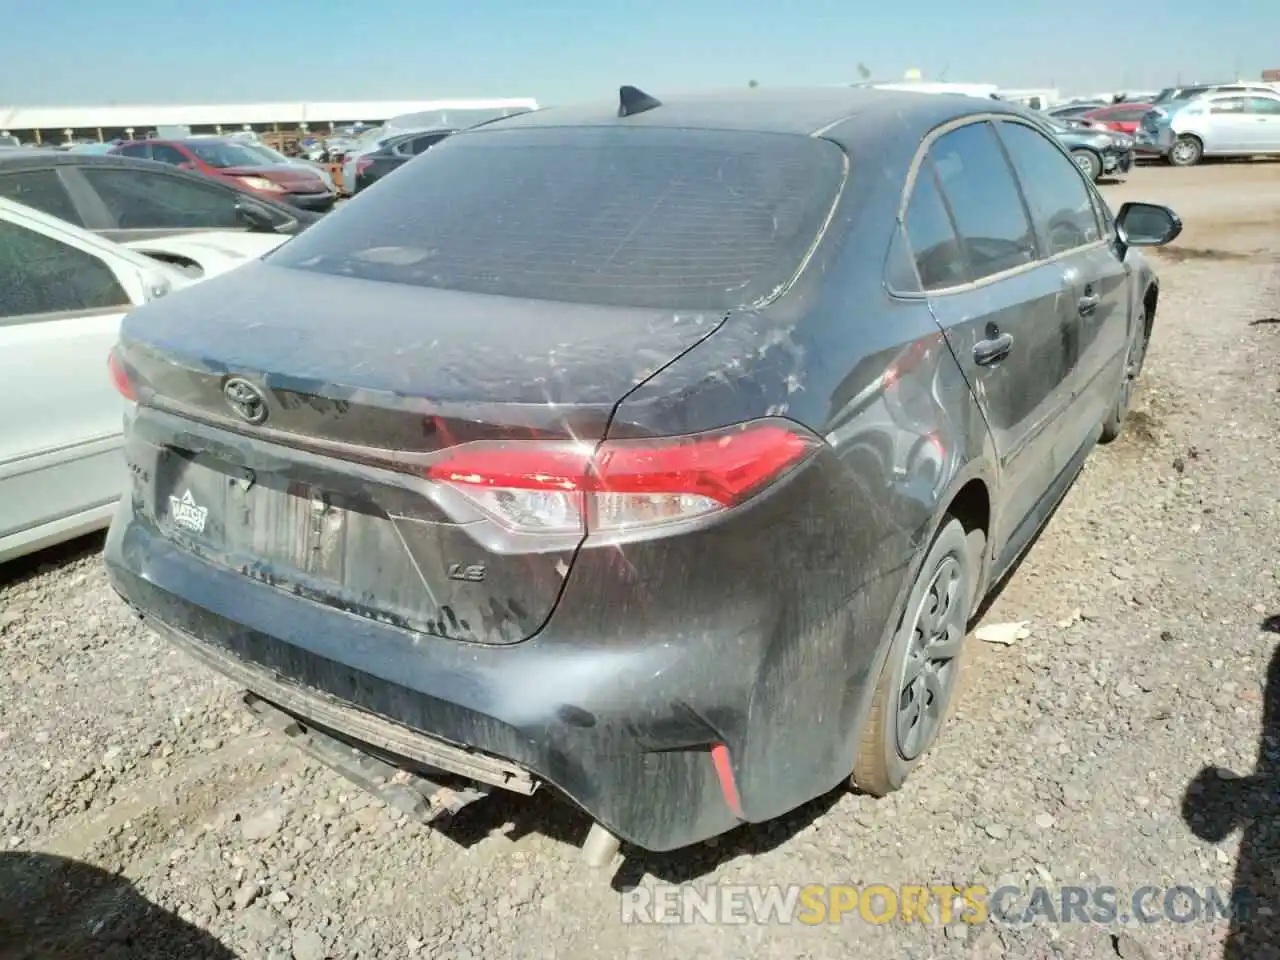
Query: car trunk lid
{"x": 325, "y": 494}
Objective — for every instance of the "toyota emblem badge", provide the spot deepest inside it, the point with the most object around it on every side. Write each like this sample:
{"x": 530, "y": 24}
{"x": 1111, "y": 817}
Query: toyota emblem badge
{"x": 245, "y": 399}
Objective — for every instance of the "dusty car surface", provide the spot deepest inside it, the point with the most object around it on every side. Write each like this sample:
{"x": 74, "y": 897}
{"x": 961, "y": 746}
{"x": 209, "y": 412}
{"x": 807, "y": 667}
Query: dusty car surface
{"x": 657, "y": 453}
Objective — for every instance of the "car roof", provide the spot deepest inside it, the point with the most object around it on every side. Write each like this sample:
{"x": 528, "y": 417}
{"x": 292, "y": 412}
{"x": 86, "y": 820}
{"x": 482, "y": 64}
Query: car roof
{"x": 1234, "y": 94}
{"x": 36, "y": 157}
{"x": 799, "y": 111}
{"x": 30, "y": 157}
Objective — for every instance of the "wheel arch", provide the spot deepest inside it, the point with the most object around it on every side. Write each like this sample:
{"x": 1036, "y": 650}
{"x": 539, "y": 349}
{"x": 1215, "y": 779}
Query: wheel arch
{"x": 1150, "y": 300}
{"x": 1097, "y": 157}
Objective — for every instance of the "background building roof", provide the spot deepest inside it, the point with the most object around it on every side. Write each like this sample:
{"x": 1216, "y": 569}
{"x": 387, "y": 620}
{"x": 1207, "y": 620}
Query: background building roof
{"x": 150, "y": 116}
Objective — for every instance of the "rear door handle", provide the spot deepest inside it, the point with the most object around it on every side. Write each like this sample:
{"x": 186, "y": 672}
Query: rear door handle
{"x": 987, "y": 352}
{"x": 1089, "y": 303}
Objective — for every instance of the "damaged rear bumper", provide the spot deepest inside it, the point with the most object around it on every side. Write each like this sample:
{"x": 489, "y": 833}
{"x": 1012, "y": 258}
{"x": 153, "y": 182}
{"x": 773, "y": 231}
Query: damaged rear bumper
{"x": 681, "y": 686}
{"x": 495, "y": 716}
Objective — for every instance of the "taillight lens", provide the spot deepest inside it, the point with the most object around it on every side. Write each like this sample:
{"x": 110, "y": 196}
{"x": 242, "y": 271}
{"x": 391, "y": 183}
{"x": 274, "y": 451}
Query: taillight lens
{"x": 119, "y": 377}
{"x": 623, "y": 485}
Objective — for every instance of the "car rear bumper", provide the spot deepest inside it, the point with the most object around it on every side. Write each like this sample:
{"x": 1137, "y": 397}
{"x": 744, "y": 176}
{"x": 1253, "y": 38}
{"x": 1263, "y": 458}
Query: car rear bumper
{"x": 452, "y": 701}
{"x": 622, "y": 702}
{"x": 1150, "y": 144}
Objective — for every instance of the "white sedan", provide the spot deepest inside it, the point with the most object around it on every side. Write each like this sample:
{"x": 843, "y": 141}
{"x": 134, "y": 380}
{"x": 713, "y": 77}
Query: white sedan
{"x": 63, "y": 292}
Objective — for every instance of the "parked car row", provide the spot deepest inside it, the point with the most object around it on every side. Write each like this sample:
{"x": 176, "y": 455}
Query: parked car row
{"x": 1183, "y": 125}
{"x": 1221, "y": 124}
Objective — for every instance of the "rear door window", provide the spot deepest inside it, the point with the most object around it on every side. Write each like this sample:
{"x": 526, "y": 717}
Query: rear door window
{"x": 39, "y": 274}
{"x": 939, "y": 259}
{"x": 154, "y": 199}
{"x": 419, "y": 144}
{"x": 41, "y": 189}
{"x": 139, "y": 150}
{"x": 1228, "y": 105}
{"x": 1264, "y": 105}
{"x": 642, "y": 217}
{"x": 1055, "y": 190}
{"x": 167, "y": 154}
{"x": 979, "y": 187}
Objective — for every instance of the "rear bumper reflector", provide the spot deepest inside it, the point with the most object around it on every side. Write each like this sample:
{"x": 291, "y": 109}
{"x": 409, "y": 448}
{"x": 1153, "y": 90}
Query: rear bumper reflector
{"x": 724, "y": 771}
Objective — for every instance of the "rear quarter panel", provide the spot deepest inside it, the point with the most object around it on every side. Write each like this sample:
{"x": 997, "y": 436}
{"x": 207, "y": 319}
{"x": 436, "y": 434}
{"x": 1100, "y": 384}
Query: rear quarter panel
{"x": 831, "y": 586}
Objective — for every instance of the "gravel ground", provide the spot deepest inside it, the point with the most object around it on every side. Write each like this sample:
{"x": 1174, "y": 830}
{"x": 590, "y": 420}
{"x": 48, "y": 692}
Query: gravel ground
{"x": 143, "y": 813}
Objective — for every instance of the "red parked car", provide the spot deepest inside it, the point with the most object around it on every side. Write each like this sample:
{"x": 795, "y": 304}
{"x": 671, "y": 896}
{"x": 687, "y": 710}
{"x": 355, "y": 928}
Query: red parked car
{"x": 1121, "y": 117}
{"x": 232, "y": 163}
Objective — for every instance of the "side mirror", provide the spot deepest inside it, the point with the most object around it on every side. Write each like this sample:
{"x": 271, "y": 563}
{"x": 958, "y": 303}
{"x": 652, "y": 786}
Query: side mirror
{"x": 255, "y": 218}
{"x": 1147, "y": 225}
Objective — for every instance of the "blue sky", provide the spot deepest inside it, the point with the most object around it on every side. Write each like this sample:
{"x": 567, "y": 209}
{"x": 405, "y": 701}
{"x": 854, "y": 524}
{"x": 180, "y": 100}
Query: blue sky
{"x": 91, "y": 52}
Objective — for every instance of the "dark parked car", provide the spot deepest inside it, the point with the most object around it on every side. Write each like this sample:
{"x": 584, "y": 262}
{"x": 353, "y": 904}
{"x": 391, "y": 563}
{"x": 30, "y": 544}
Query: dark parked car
{"x": 232, "y": 163}
{"x": 1098, "y": 153}
{"x": 658, "y": 454}
{"x": 372, "y": 167}
{"x": 125, "y": 199}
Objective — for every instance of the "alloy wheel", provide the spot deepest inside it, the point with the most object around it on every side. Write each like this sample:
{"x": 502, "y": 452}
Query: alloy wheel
{"x": 1185, "y": 152}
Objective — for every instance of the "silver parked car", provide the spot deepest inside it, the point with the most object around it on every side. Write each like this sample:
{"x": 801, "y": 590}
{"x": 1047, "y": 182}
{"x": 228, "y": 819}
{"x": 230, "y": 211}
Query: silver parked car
{"x": 1191, "y": 92}
{"x": 1213, "y": 125}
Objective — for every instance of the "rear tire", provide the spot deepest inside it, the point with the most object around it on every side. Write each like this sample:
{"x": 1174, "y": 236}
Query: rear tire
{"x": 921, "y": 675}
{"x": 1186, "y": 151}
{"x": 1135, "y": 357}
{"x": 1090, "y": 163}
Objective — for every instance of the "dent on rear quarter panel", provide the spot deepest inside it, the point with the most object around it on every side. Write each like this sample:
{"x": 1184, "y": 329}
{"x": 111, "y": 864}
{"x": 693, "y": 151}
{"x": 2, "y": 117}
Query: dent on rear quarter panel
{"x": 832, "y": 569}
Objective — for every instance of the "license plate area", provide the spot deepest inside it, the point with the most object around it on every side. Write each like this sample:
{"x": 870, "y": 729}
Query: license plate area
{"x": 263, "y": 525}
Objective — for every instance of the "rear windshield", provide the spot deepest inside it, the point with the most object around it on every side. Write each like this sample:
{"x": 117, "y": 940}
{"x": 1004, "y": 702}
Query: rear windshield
{"x": 644, "y": 217}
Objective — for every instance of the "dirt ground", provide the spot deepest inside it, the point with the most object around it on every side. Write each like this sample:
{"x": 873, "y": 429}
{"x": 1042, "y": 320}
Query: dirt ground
{"x": 1120, "y": 743}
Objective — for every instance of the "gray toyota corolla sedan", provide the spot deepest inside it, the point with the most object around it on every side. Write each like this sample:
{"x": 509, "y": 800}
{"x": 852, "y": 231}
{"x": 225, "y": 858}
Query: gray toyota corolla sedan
{"x": 655, "y": 453}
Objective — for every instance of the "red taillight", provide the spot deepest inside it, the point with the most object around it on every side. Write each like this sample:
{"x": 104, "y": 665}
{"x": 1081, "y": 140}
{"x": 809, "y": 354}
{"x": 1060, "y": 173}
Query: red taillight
{"x": 623, "y": 485}
{"x": 119, "y": 378}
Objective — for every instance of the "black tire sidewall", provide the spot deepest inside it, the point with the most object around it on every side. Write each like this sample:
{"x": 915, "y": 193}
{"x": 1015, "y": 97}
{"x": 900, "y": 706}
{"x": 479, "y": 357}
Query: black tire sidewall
{"x": 1114, "y": 423}
{"x": 952, "y": 541}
